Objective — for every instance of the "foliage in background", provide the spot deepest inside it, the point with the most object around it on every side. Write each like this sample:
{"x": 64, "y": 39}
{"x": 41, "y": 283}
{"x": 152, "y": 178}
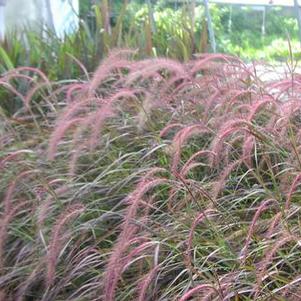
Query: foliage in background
{"x": 238, "y": 31}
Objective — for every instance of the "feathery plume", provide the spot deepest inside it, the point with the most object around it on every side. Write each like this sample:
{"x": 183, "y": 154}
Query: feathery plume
{"x": 146, "y": 282}
{"x": 199, "y": 288}
{"x": 189, "y": 163}
{"x": 181, "y": 137}
{"x": 56, "y": 240}
{"x": 128, "y": 230}
{"x": 292, "y": 190}
{"x": 57, "y": 135}
{"x": 200, "y": 218}
{"x": 169, "y": 127}
{"x": 268, "y": 257}
{"x": 223, "y": 177}
{"x": 4, "y": 224}
{"x": 263, "y": 206}
{"x": 273, "y": 225}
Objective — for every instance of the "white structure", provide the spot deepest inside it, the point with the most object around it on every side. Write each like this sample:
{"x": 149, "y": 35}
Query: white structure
{"x": 287, "y": 3}
{"x": 58, "y": 15}
{"x": 2, "y": 23}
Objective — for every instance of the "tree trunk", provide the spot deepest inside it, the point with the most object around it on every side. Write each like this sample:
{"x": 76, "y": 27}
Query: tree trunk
{"x": 298, "y": 15}
{"x": 192, "y": 13}
{"x": 105, "y": 13}
{"x": 263, "y": 22}
{"x": 210, "y": 27}
{"x": 192, "y": 17}
{"x": 151, "y": 16}
{"x": 39, "y": 14}
{"x": 49, "y": 16}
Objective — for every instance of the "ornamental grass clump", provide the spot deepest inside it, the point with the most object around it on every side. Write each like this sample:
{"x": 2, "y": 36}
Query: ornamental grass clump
{"x": 151, "y": 180}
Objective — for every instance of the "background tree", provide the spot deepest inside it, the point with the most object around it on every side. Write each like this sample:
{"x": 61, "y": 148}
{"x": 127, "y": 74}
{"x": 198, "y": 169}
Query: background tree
{"x": 298, "y": 14}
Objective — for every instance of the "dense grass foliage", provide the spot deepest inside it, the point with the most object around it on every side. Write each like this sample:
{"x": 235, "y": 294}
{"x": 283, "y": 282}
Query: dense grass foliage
{"x": 151, "y": 180}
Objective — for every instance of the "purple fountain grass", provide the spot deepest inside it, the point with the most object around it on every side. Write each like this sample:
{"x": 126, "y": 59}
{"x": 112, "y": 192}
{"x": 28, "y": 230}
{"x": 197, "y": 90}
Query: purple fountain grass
{"x": 290, "y": 107}
{"x": 189, "y": 164}
{"x": 291, "y": 289}
{"x": 202, "y": 63}
{"x": 232, "y": 146}
{"x": 146, "y": 283}
{"x": 21, "y": 292}
{"x": 128, "y": 230}
{"x": 15, "y": 74}
{"x": 58, "y": 134}
{"x": 181, "y": 137}
{"x": 292, "y": 189}
{"x": 75, "y": 108}
{"x": 30, "y": 94}
{"x": 238, "y": 108}
{"x": 275, "y": 221}
{"x": 211, "y": 101}
{"x": 268, "y": 257}
{"x": 107, "y": 110}
{"x": 282, "y": 87}
{"x": 184, "y": 171}
{"x": 97, "y": 121}
{"x": 77, "y": 136}
{"x": 115, "y": 61}
{"x": 174, "y": 190}
{"x": 80, "y": 65}
{"x": 79, "y": 258}
{"x": 199, "y": 219}
{"x": 55, "y": 241}
{"x": 75, "y": 114}
{"x": 224, "y": 284}
{"x": 127, "y": 261}
{"x": 145, "y": 109}
{"x": 3, "y": 296}
{"x": 220, "y": 292}
{"x": 215, "y": 112}
{"x": 169, "y": 127}
{"x": 13, "y": 156}
{"x": 150, "y": 68}
{"x": 9, "y": 214}
{"x": 16, "y": 71}
{"x": 10, "y": 88}
{"x": 263, "y": 207}
{"x": 197, "y": 289}
{"x": 227, "y": 129}
{"x": 94, "y": 120}
{"x": 223, "y": 177}
{"x": 236, "y": 96}
{"x": 247, "y": 149}
{"x": 71, "y": 89}
{"x": 172, "y": 88}
{"x": 8, "y": 198}
{"x": 114, "y": 266}
{"x": 43, "y": 208}
{"x": 257, "y": 106}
